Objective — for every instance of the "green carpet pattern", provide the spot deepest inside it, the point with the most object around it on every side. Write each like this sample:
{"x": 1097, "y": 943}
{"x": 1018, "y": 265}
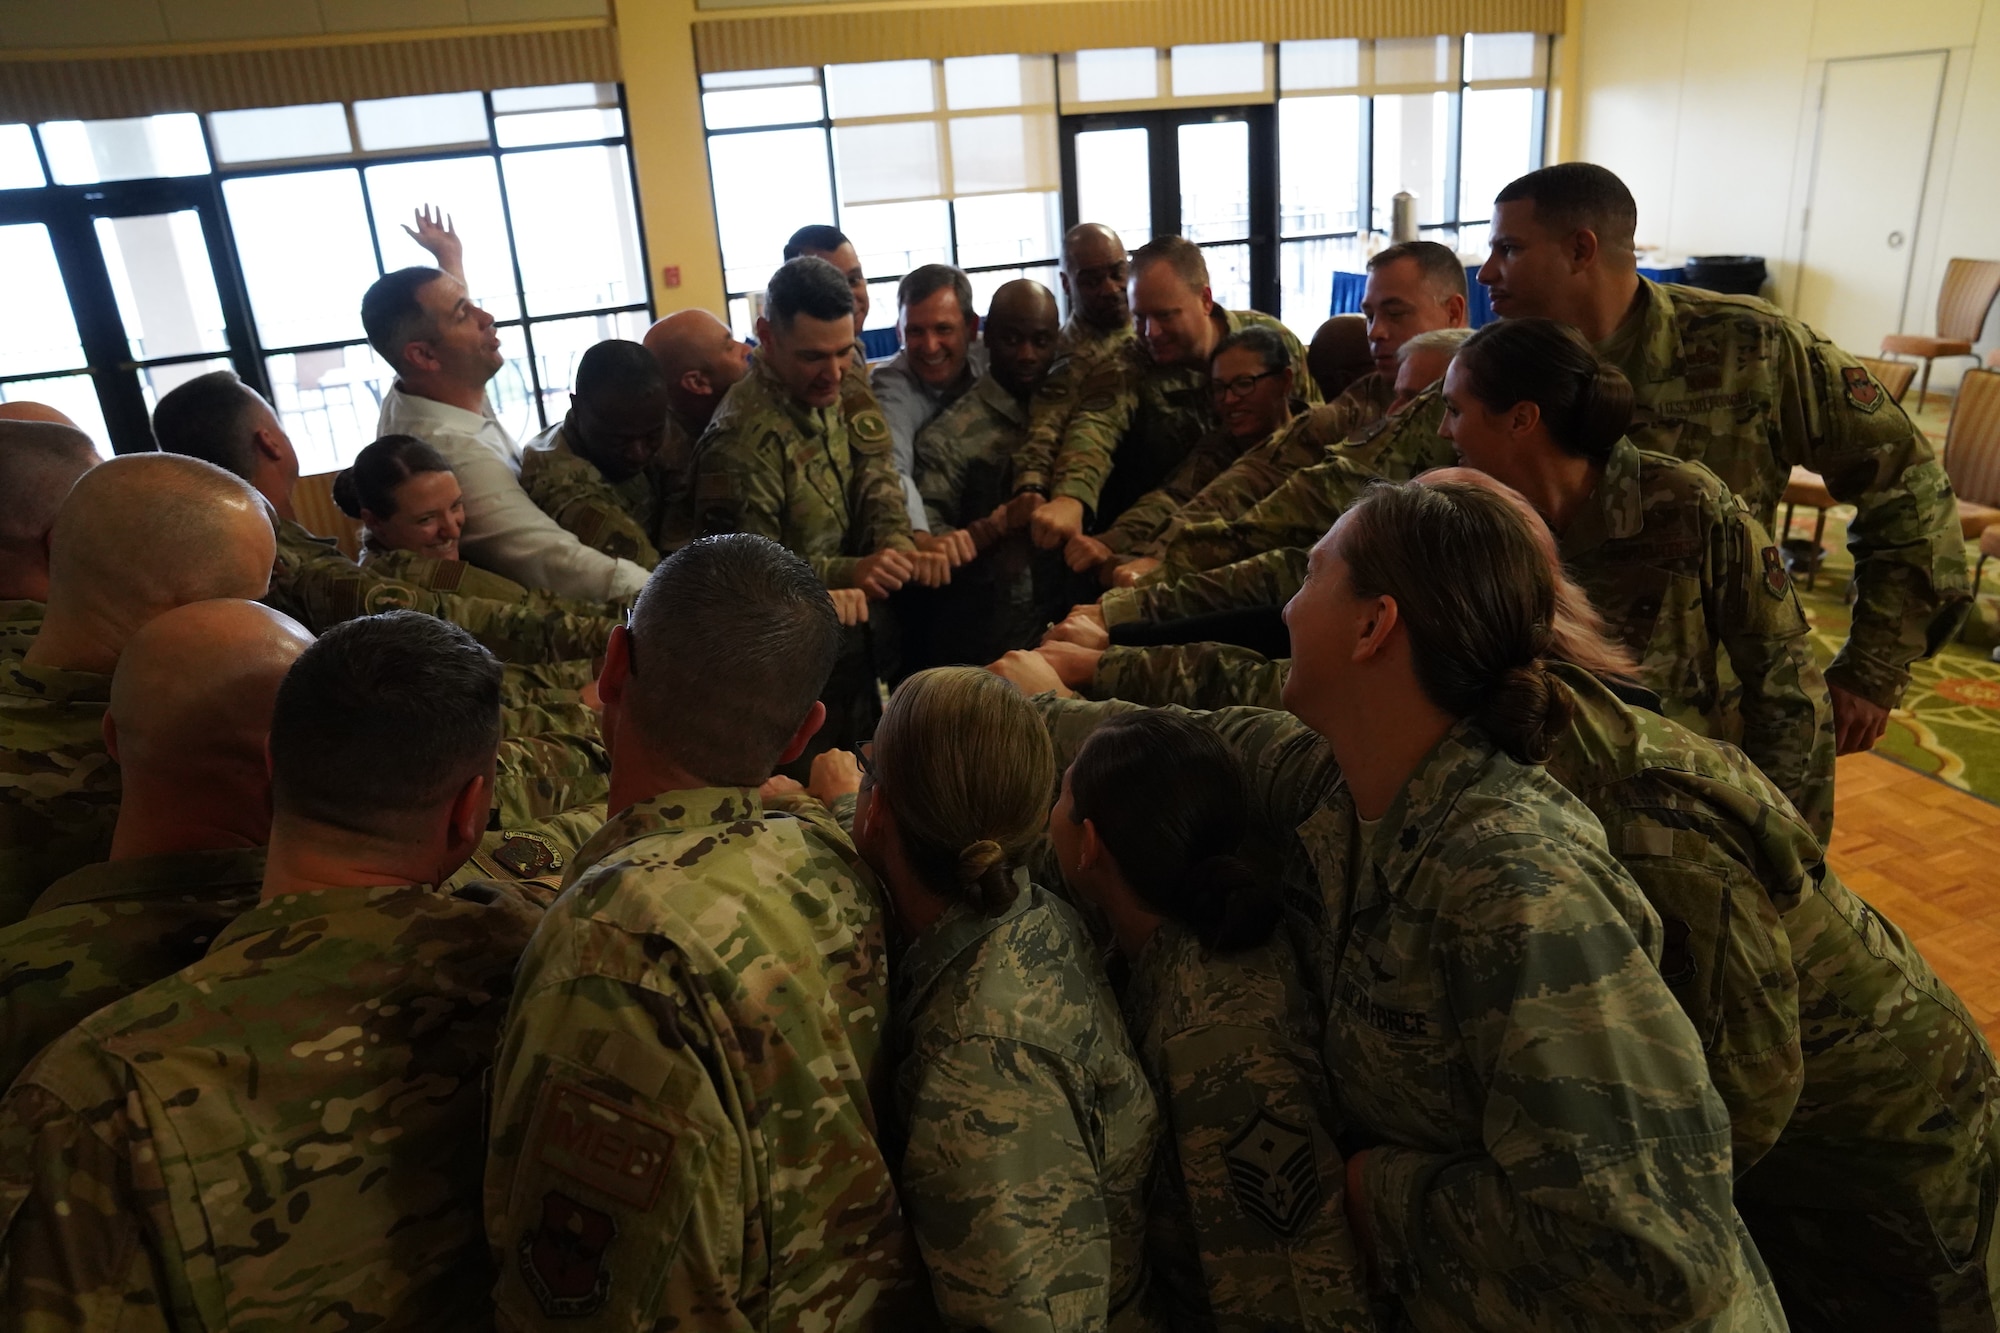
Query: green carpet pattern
{"x": 1949, "y": 724}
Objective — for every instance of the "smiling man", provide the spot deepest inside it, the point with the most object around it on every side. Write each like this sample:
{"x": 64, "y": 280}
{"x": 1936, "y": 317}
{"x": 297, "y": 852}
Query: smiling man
{"x": 444, "y": 350}
{"x": 590, "y": 471}
{"x": 939, "y": 363}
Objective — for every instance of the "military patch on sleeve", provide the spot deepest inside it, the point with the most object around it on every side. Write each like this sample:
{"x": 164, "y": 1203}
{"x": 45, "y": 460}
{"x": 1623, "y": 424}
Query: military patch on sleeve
{"x": 1274, "y": 1173}
{"x": 1776, "y": 581}
{"x": 1862, "y": 390}
{"x": 562, "y": 1257}
{"x": 389, "y": 597}
{"x": 601, "y": 1144}
{"x": 527, "y": 854}
{"x": 869, "y": 426}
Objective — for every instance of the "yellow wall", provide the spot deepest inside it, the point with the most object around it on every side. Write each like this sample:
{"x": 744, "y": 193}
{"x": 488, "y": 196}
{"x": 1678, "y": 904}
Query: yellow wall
{"x": 663, "y": 99}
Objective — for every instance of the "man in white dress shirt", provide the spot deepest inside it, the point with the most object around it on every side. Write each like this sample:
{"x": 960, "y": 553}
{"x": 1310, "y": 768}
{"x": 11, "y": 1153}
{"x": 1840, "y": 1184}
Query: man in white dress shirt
{"x": 444, "y": 350}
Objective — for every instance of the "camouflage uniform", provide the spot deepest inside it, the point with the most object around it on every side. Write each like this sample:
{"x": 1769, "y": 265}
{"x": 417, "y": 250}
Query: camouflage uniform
{"x": 465, "y": 579}
{"x": 283, "y": 1135}
{"x": 1247, "y": 1228}
{"x": 1142, "y": 520}
{"x": 1030, "y": 1124}
{"x": 615, "y": 517}
{"x": 537, "y": 777}
{"x": 317, "y": 586}
{"x": 964, "y": 469}
{"x": 1561, "y": 1241}
{"x": 20, "y": 622}
{"x": 1683, "y": 575}
{"x": 106, "y": 930}
{"x": 682, "y": 1127}
{"x": 58, "y": 784}
{"x": 1269, "y": 579}
{"x": 1080, "y": 342}
{"x": 1131, "y": 424}
{"x": 821, "y": 482}
{"x": 1299, "y": 512}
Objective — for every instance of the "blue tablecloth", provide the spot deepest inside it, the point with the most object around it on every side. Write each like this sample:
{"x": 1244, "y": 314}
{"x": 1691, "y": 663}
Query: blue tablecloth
{"x": 878, "y": 344}
{"x": 1348, "y": 287}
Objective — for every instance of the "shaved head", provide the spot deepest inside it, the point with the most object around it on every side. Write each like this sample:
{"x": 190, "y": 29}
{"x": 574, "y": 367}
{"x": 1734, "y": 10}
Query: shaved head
{"x": 1339, "y": 354}
{"x": 1094, "y": 270}
{"x": 1021, "y": 330}
{"x": 1089, "y": 243}
{"x": 143, "y": 534}
{"x": 701, "y": 360}
{"x": 192, "y": 697}
{"x": 34, "y": 412}
{"x": 39, "y": 463}
{"x": 1024, "y": 301}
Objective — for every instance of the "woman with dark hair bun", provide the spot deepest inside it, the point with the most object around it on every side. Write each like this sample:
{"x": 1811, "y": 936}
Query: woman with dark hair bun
{"x": 1681, "y": 571}
{"x": 1245, "y": 1227}
{"x": 408, "y": 501}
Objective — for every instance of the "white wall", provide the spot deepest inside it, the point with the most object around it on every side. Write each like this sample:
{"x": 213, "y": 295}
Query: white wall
{"x": 1708, "y": 109}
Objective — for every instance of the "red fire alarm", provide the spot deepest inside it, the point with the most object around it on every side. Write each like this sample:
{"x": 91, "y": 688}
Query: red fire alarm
{"x": 670, "y": 276}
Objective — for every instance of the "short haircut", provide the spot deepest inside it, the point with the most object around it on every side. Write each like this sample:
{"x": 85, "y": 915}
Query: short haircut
{"x": 209, "y": 418}
{"x": 391, "y": 315}
{"x": 1579, "y": 196}
{"x": 1176, "y": 252}
{"x": 817, "y": 239}
{"x": 370, "y": 481}
{"x": 1432, "y": 340}
{"x": 732, "y": 639}
{"x": 39, "y": 462}
{"x": 1266, "y": 342}
{"x": 807, "y": 285}
{"x": 921, "y": 284}
{"x": 617, "y": 369}
{"x": 1442, "y": 272}
{"x": 383, "y": 718}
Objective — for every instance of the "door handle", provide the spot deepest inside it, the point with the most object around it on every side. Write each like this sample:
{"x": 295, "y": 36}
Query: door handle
{"x": 1895, "y": 240}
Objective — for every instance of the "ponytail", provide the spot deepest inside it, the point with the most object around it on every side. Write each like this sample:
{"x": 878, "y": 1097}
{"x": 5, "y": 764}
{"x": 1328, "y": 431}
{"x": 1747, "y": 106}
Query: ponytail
{"x": 1585, "y": 402}
{"x": 982, "y": 876}
{"x": 1169, "y": 800}
{"x": 347, "y": 493}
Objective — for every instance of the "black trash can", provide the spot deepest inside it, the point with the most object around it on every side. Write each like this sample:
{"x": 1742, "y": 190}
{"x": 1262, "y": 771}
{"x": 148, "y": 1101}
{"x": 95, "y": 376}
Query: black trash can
{"x": 1732, "y": 275}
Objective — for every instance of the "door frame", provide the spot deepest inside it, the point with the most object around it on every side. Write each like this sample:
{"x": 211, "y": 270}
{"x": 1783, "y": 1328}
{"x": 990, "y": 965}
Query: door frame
{"x": 1164, "y": 173}
{"x": 70, "y": 213}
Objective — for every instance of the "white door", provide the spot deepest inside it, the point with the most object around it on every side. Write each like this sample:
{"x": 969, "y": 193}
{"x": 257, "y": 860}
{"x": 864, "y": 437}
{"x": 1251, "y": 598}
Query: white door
{"x": 1876, "y": 120}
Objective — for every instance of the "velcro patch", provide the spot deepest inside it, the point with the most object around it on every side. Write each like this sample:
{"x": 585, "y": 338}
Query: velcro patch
{"x": 562, "y": 1257}
{"x": 603, "y": 1145}
{"x": 1776, "y": 581}
{"x": 1274, "y": 1173}
{"x": 527, "y": 854}
{"x": 869, "y": 426}
{"x": 1862, "y": 390}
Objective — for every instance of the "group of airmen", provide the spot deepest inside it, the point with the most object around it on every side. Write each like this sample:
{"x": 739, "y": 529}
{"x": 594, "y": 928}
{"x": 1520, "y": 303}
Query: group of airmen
{"x": 1107, "y": 823}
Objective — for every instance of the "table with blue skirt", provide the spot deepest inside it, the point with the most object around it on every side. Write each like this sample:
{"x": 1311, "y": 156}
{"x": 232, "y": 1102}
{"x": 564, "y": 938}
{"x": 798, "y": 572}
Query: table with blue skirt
{"x": 1348, "y": 287}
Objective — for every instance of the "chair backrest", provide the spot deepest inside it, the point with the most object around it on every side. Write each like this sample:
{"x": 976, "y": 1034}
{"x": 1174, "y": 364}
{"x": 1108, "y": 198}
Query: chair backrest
{"x": 1972, "y": 440}
{"x": 1969, "y": 288}
{"x": 1895, "y": 376}
{"x": 312, "y": 502}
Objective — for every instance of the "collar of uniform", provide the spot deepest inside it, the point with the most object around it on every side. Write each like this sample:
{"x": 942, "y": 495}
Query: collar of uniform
{"x": 998, "y": 401}
{"x": 1162, "y": 954}
{"x": 169, "y": 874}
{"x": 767, "y": 385}
{"x": 290, "y": 908}
{"x": 53, "y": 684}
{"x": 407, "y": 406}
{"x": 960, "y": 928}
{"x": 669, "y": 812}
{"x": 296, "y": 537}
{"x": 554, "y": 440}
{"x": 1617, "y": 508}
{"x": 1648, "y": 340}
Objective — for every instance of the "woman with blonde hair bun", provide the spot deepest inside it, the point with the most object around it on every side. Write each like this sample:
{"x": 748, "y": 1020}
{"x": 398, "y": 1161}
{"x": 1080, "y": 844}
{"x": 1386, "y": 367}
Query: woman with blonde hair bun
{"x": 1029, "y": 1125}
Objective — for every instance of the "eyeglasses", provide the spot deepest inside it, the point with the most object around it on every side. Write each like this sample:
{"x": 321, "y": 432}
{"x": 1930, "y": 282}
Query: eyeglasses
{"x": 1239, "y": 387}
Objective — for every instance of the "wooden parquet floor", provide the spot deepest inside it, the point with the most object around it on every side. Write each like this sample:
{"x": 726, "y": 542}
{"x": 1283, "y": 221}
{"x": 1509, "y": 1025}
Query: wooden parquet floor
{"x": 1927, "y": 856}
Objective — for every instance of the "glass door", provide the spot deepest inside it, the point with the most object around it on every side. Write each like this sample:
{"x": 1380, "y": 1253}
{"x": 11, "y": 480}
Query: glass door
{"x": 1208, "y": 175}
{"x": 141, "y": 260}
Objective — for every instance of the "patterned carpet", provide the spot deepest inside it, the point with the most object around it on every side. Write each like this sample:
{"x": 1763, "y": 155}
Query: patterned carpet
{"x": 1949, "y": 724}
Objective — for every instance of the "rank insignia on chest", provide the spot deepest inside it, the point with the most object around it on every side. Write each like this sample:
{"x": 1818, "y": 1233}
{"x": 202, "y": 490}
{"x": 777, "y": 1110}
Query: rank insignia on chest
{"x": 1862, "y": 390}
{"x": 1775, "y": 579}
{"x": 1273, "y": 1173}
{"x": 527, "y": 855}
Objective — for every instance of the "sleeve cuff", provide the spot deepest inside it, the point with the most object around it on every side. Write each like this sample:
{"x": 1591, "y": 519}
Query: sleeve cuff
{"x": 1120, "y": 607}
{"x": 1877, "y": 682}
{"x": 1392, "y": 1182}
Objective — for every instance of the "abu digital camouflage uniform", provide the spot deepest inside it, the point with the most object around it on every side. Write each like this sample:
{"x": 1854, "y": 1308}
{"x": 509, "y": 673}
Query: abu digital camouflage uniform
{"x": 317, "y": 586}
{"x": 1299, "y": 511}
{"x": 965, "y": 469}
{"x": 20, "y": 622}
{"x": 283, "y": 1135}
{"x": 818, "y": 481}
{"x": 1458, "y": 951}
{"x": 1683, "y": 575}
{"x": 59, "y": 786}
{"x": 1714, "y": 847}
{"x": 108, "y": 929}
{"x": 615, "y": 517}
{"x": 1247, "y": 1226}
{"x": 682, "y": 1127}
{"x": 1030, "y": 1124}
{"x": 1106, "y": 436}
